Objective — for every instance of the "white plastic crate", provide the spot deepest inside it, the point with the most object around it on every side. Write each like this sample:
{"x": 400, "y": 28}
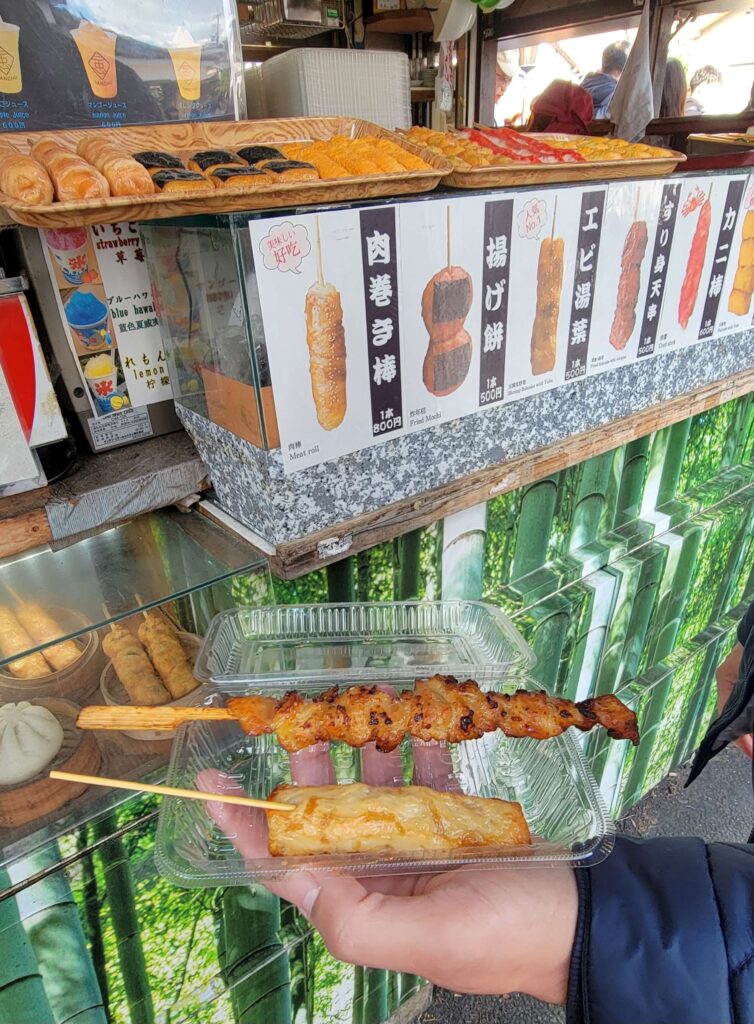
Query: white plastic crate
{"x": 313, "y": 82}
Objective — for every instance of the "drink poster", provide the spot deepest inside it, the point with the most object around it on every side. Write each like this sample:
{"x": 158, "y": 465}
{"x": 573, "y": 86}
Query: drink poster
{"x": 442, "y": 257}
{"x": 69, "y": 64}
{"x": 105, "y": 302}
{"x": 694, "y": 274}
{"x": 545, "y": 226}
{"x": 624, "y": 271}
{"x": 736, "y": 309}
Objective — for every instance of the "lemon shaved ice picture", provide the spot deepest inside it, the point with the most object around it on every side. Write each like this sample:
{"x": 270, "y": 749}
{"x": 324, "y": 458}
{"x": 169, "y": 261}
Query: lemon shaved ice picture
{"x": 98, "y": 366}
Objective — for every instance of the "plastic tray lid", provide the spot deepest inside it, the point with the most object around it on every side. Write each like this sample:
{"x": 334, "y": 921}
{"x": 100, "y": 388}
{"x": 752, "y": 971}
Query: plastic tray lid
{"x": 362, "y": 641}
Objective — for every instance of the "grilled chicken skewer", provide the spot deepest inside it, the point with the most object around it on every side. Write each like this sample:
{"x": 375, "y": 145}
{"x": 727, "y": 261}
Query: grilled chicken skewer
{"x": 439, "y": 708}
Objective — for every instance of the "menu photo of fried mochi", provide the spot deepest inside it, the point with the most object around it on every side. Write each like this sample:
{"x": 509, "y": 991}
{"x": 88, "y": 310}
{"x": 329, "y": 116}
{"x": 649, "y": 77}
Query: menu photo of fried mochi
{"x": 446, "y": 301}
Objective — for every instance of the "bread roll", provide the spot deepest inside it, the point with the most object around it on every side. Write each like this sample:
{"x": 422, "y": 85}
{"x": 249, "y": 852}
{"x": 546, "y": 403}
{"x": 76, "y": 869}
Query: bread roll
{"x": 23, "y": 178}
{"x": 125, "y": 176}
{"x": 73, "y": 178}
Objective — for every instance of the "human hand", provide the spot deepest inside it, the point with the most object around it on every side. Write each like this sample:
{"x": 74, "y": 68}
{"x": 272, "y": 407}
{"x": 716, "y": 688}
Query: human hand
{"x": 727, "y": 676}
{"x": 485, "y": 932}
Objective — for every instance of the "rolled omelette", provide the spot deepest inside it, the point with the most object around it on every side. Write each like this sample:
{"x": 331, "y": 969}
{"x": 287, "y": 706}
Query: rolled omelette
{"x": 357, "y": 818}
{"x": 133, "y": 667}
{"x": 13, "y": 640}
{"x": 167, "y": 654}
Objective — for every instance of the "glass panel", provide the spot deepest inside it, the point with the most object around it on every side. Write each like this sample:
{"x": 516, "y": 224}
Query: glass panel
{"x": 147, "y": 561}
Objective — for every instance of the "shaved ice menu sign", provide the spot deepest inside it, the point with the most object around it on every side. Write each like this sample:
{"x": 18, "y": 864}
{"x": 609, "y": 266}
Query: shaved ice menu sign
{"x": 95, "y": 63}
{"x": 393, "y": 319}
{"x": 105, "y": 301}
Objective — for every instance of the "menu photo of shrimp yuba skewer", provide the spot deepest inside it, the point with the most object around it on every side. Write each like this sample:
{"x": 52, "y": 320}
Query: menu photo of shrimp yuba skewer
{"x": 629, "y": 283}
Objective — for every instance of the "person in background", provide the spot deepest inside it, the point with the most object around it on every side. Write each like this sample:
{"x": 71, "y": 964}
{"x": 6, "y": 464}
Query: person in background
{"x": 703, "y": 85}
{"x": 674, "y": 91}
{"x": 562, "y": 107}
{"x": 602, "y": 84}
{"x": 509, "y": 93}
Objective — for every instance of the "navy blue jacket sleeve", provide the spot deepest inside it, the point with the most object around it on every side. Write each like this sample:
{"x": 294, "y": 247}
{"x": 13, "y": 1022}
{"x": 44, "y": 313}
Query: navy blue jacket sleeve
{"x": 665, "y": 935}
{"x": 737, "y": 717}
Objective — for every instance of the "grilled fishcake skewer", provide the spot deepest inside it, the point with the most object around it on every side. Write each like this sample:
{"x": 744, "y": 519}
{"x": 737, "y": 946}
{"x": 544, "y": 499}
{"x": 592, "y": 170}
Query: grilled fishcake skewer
{"x": 439, "y": 708}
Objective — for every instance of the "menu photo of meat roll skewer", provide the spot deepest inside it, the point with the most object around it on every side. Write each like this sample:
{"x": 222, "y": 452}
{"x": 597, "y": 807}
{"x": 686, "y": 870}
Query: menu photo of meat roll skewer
{"x": 446, "y": 301}
{"x": 632, "y": 257}
{"x": 544, "y": 333}
{"x": 325, "y": 338}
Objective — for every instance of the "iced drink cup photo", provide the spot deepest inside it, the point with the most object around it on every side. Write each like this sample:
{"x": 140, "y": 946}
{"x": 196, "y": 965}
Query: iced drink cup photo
{"x": 186, "y": 55}
{"x": 68, "y": 247}
{"x": 87, "y": 315}
{"x": 10, "y": 66}
{"x": 102, "y": 377}
{"x": 96, "y": 48}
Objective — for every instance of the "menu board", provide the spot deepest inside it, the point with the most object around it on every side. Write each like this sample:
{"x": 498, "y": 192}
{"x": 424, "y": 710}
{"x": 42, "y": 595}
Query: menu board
{"x": 736, "y": 310}
{"x": 105, "y": 301}
{"x": 66, "y": 64}
{"x": 697, "y": 264}
{"x": 394, "y": 318}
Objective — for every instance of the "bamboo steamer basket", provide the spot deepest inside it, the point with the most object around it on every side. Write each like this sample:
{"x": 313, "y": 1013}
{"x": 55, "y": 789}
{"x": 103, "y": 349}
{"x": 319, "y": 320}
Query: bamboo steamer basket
{"x": 76, "y": 682}
{"x": 42, "y": 795}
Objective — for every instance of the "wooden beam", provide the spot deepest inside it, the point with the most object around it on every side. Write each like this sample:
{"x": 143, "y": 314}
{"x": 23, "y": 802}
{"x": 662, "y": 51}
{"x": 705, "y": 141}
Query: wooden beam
{"x": 295, "y": 558}
{"x": 103, "y": 485}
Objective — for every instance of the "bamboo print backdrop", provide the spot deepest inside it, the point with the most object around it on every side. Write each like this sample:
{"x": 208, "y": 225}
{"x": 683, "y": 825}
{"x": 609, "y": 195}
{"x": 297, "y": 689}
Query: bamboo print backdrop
{"x": 626, "y": 574}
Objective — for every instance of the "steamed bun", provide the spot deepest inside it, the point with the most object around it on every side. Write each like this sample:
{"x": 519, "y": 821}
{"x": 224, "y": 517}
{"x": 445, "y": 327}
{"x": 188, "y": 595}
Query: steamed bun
{"x": 30, "y": 737}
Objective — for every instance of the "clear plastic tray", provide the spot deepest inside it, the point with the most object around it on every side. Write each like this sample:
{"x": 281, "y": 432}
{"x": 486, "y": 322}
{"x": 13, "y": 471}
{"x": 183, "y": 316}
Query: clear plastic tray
{"x": 559, "y": 796}
{"x": 354, "y": 642}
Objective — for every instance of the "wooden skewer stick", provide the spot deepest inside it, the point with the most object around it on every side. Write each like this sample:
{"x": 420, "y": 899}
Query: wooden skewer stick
{"x": 638, "y": 200}
{"x": 320, "y": 272}
{"x": 447, "y": 233}
{"x": 158, "y": 717}
{"x": 184, "y": 794}
{"x": 554, "y": 216}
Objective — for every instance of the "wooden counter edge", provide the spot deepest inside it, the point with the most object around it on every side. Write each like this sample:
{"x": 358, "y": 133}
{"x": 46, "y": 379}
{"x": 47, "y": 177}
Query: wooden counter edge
{"x": 294, "y": 558}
